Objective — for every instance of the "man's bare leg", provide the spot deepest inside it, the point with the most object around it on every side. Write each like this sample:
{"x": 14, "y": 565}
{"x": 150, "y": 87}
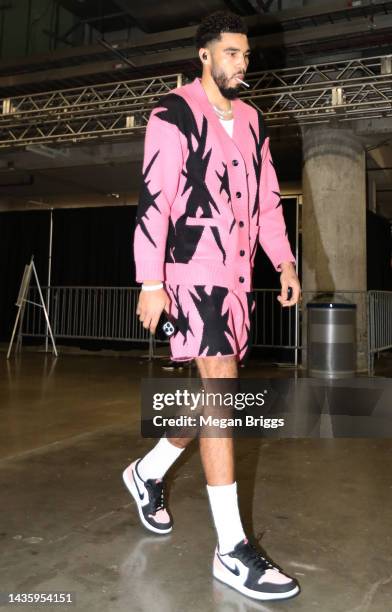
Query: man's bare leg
{"x": 214, "y": 367}
{"x": 217, "y": 454}
{"x": 180, "y": 442}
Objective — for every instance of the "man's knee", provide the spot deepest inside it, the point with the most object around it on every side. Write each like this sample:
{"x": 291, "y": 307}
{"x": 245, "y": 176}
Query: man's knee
{"x": 217, "y": 366}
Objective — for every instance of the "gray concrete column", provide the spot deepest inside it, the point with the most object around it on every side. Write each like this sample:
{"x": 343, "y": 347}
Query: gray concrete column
{"x": 334, "y": 221}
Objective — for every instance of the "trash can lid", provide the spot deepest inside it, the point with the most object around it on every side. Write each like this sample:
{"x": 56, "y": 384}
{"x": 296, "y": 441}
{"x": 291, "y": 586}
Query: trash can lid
{"x": 331, "y": 300}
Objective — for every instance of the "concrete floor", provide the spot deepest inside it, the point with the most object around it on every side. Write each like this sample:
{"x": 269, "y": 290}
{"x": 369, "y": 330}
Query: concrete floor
{"x": 68, "y": 427}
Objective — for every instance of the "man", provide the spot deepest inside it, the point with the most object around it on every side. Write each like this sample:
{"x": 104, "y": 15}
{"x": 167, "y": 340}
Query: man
{"x": 210, "y": 193}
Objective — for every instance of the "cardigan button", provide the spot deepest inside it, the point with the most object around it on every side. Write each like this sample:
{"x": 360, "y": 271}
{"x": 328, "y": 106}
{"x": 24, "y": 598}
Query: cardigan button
{"x": 242, "y": 252}
{"x": 241, "y": 224}
{"x": 241, "y": 279}
{"x": 238, "y": 194}
{"x": 235, "y": 162}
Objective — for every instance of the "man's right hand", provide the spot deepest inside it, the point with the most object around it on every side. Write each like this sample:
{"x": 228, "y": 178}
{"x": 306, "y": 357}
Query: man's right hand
{"x": 150, "y": 306}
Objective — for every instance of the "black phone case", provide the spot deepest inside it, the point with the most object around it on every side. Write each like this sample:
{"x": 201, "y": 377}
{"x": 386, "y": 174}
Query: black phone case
{"x": 166, "y": 326}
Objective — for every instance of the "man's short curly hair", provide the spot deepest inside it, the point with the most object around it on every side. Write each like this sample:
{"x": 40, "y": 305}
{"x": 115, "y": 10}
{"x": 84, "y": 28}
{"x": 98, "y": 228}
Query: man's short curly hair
{"x": 217, "y": 23}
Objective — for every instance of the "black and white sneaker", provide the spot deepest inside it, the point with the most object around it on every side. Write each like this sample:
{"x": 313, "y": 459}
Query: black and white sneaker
{"x": 150, "y": 500}
{"x": 247, "y": 571}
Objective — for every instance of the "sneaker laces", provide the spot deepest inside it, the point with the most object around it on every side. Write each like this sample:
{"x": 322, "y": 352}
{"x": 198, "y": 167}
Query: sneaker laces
{"x": 251, "y": 555}
{"x": 156, "y": 494}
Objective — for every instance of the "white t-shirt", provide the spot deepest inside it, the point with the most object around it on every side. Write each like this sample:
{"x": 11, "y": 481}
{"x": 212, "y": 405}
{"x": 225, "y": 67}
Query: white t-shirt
{"x": 228, "y": 125}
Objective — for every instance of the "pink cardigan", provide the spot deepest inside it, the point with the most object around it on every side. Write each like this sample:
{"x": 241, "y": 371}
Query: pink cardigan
{"x": 206, "y": 198}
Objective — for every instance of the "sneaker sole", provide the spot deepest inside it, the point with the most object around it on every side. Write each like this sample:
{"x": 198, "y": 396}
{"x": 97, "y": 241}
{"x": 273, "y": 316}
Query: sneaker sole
{"x": 231, "y": 582}
{"x": 133, "y": 491}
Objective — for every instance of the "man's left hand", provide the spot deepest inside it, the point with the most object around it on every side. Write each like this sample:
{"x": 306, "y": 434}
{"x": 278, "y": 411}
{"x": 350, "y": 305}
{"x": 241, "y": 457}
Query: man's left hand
{"x": 289, "y": 278}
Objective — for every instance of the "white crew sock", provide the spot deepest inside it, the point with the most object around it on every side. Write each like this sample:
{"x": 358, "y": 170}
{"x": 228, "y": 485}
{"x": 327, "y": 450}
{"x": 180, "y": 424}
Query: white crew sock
{"x": 226, "y": 515}
{"x": 158, "y": 460}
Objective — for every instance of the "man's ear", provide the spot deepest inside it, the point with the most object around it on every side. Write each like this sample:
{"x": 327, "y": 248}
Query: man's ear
{"x": 203, "y": 54}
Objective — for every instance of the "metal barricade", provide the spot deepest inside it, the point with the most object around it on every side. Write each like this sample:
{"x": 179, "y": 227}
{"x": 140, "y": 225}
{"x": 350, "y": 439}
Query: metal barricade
{"x": 99, "y": 313}
{"x": 109, "y": 313}
{"x": 274, "y": 326}
{"x": 379, "y": 324}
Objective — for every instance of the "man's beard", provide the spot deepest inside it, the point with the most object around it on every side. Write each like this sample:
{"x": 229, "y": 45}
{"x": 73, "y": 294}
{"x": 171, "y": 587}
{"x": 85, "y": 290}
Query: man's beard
{"x": 221, "y": 80}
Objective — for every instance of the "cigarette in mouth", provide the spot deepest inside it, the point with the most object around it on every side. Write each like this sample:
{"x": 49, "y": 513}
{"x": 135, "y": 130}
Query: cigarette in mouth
{"x": 243, "y": 82}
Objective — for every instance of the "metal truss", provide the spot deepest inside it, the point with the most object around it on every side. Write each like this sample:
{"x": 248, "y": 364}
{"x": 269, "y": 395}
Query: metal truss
{"x": 82, "y": 114}
{"x": 344, "y": 91}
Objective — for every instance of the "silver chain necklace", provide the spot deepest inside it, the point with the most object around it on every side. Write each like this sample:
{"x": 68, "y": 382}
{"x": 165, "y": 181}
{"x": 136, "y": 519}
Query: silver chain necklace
{"x": 222, "y": 113}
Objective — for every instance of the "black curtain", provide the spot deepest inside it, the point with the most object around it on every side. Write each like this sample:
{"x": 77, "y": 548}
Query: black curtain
{"x": 379, "y": 252}
{"x": 265, "y": 275}
{"x": 93, "y": 246}
{"x": 22, "y": 234}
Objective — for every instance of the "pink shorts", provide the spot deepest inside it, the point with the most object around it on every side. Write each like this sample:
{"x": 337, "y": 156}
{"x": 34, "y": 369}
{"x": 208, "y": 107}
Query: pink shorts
{"x": 212, "y": 321}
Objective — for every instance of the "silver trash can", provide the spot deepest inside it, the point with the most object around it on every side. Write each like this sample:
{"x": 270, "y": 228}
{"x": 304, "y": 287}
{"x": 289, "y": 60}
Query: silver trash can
{"x": 331, "y": 337}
